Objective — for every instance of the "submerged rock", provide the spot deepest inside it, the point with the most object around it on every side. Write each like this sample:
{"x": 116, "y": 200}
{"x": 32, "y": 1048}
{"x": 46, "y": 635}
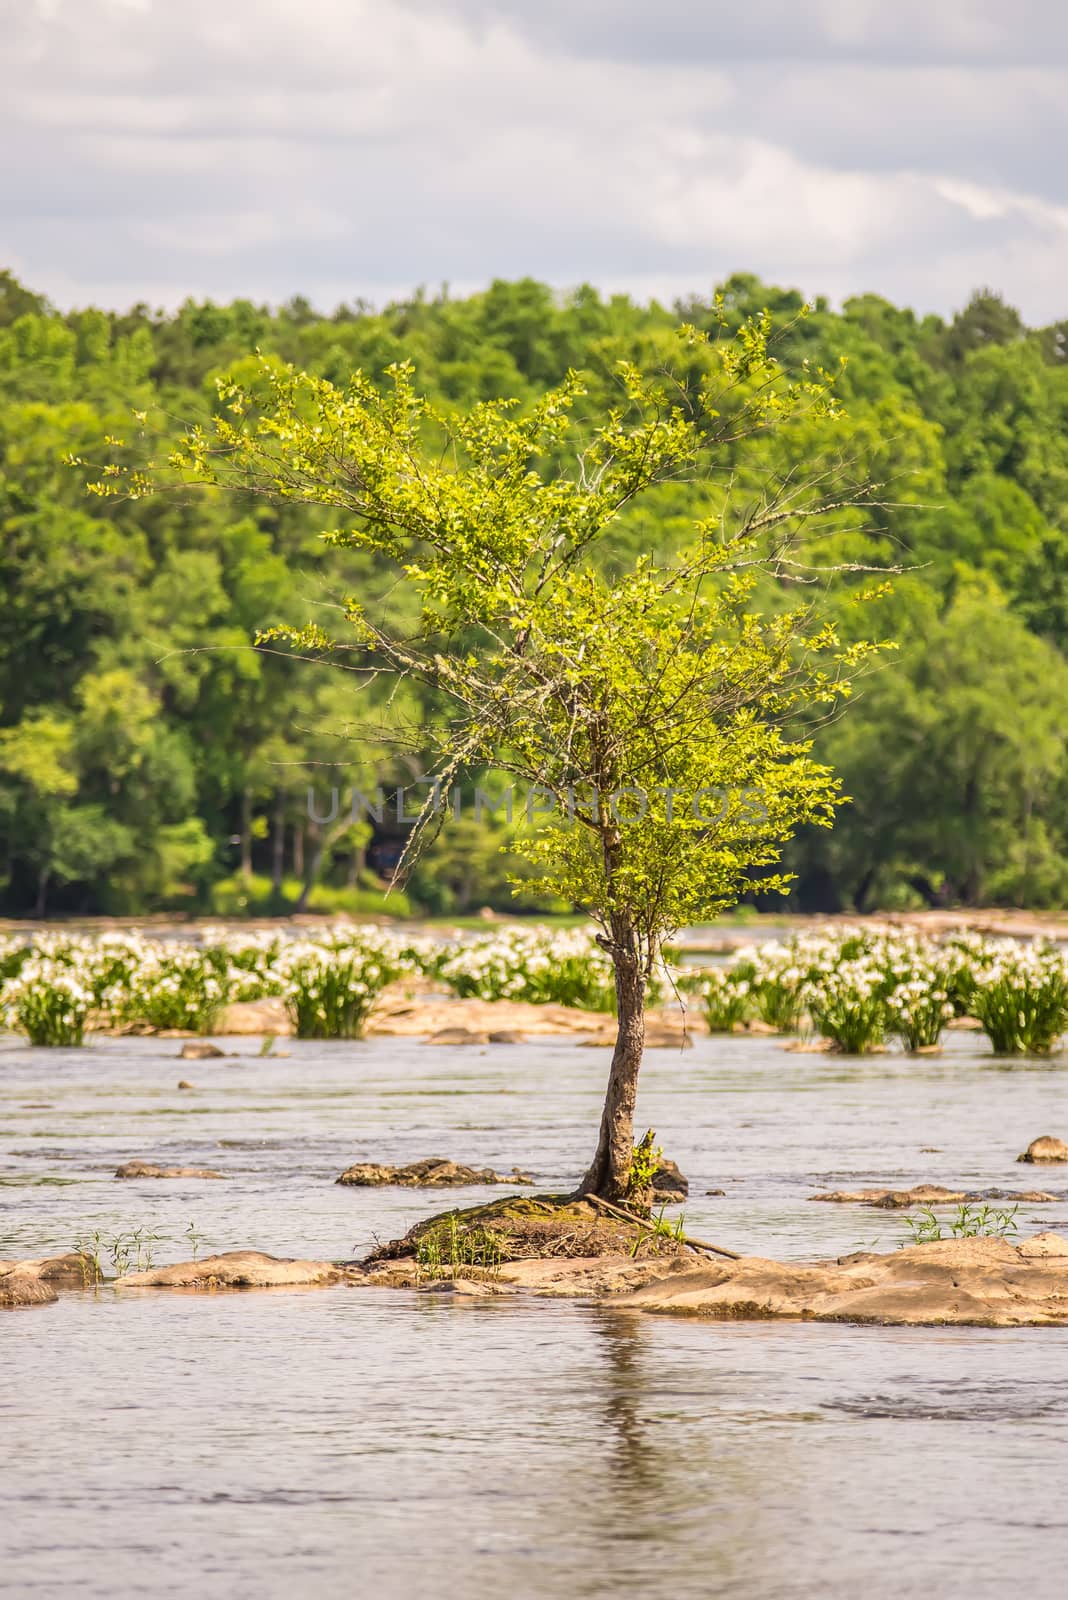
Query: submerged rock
{"x": 1045, "y": 1149}
{"x": 457, "y": 1036}
{"x": 148, "y": 1169}
{"x": 199, "y": 1050}
{"x": 927, "y": 1194}
{"x": 981, "y": 1282}
{"x": 235, "y": 1269}
{"x": 34, "y": 1283}
{"x": 507, "y": 1036}
{"x": 433, "y": 1173}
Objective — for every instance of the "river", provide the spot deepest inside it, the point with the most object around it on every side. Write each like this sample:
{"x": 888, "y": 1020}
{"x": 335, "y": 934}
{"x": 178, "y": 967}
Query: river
{"x": 342, "y": 1441}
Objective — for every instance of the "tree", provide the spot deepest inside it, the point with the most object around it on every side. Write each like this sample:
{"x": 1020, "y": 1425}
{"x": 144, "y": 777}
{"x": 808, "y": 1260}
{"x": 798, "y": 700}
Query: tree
{"x": 650, "y": 705}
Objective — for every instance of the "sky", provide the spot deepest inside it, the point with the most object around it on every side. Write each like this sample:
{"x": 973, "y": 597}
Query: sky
{"x": 160, "y": 149}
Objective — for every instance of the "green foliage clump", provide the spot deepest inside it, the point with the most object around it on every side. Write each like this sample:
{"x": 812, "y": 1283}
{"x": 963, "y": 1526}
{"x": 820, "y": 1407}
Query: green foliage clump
{"x": 970, "y": 1222}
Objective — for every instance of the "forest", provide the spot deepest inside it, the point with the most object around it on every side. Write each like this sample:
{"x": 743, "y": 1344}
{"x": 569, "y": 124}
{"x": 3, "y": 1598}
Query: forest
{"x": 154, "y": 758}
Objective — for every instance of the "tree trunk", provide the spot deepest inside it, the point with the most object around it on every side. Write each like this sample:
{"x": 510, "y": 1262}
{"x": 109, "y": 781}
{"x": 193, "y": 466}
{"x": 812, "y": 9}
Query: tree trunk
{"x": 609, "y": 1175}
{"x": 298, "y": 849}
{"x": 246, "y": 834}
{"x": 42, "y": 891}
{"x": 278, "y": 842}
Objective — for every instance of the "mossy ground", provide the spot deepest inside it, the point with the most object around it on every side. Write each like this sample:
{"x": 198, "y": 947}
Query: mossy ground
{"x": 526, "y": 1228}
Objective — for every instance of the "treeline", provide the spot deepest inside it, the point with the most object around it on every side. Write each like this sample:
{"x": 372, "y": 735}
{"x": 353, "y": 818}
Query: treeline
{"x": 152, "y": 758}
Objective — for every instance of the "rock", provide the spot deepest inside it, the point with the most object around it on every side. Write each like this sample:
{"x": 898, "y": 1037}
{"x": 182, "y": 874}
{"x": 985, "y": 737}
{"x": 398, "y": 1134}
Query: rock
{"x": 1042, "y": 1245}
{"x": 255, "y": 1016}
{"x": 33, "y": 1283}
{"x": 662, "y": 1036}
{"x": 756, "y": 1028}
{"x": 147, "y": 1169}
{"x": 578, "y": 1277}
{"x": 716, "y": 1191}
{"x": 808, "y": 1047}
{"x": 926, "y": 1194}
{"x": 457, "y": 1036}
{"x": 72, "y": 1271}
{"x": 1045, "y": 1149}
{"x": 235, "y": 1269}
{"x": 466, "y": 1288}
{"x": 669, "y": 1183}
{"x": 18, "y": 1288}
{"x": 184, "y": 1083}
{"x": 965, "y": 1025}
{"x": 398, "y": 1015}
{"x": 980, "y": 1282}
{"x": 199, "y": 1050}
{"x": 433, "y": 1173}
{"x": 507, "y": 1036}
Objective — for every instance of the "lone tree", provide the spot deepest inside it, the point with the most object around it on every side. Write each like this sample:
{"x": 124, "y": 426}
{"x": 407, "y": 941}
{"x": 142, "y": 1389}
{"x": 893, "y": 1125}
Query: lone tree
{"x": 653, "y": 704}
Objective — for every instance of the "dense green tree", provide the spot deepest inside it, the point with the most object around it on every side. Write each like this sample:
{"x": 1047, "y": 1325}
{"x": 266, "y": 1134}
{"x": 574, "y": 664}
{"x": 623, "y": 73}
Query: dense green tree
{"x": 964, "y": 422}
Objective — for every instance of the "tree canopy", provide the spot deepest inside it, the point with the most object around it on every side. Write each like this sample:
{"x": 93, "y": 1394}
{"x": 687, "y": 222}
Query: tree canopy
{"x": 151, "y": 756}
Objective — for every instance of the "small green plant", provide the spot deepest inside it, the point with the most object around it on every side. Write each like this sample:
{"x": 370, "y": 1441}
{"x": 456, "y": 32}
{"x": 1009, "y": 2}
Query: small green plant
{"x": 971, "y": 1222}
{"x": 330, "y": 993}
{"x": 48, "y": 1004}
{"x": 726, "y": 1000}
{"x": 644, "y": 1166}
{"x": 659, "y": 1227}
{"x": 179, "y": 989}
{"x": 847, "y": 1006}
{"x": 1022, "y": 1003}
{"x": 917, "y": 1011}
{"x": 194, "y": 1239}
{"x": 449, "y": 1251}
{"x": 89, "y": 1250}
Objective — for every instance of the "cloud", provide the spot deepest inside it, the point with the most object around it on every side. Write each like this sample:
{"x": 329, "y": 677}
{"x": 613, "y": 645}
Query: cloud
{"x": 264, "y": 147}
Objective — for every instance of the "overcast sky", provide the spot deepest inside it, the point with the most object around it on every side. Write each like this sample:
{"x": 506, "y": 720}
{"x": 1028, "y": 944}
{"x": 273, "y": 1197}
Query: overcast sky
{"x": 155, "y": 149}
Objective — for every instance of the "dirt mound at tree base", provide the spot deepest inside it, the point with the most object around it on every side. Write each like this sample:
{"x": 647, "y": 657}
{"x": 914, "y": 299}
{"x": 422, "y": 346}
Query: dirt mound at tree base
{"x": 524, "y": 1228}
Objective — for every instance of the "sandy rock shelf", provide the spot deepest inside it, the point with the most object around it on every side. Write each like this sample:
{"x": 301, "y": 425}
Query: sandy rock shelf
{"x": 400, "y": 1014}
{"x": 961, "y": 1282}
{"x": 977, "y": 1282}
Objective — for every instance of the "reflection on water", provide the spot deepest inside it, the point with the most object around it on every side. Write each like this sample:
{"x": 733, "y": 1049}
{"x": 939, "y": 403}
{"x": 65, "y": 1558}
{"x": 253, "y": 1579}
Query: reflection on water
{"x": 345, "y": 1441}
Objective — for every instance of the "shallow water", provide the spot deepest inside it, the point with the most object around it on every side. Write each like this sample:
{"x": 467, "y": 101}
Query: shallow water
{"x": 342, "y": 1441}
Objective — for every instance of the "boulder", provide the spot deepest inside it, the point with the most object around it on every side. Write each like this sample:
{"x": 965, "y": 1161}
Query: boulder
{"x": 184, "y": 1083}
{"x": 34, "y": 1282}
{"x": 19, "y": 1288}
{"x": 72, "y": 1271}
{"x": 980, "y": 1282}
{"x": 199, "y": 1050}
{"x": 235, "y": 1269}
{"x": 927, "y": 1194}
{"x": 660, "y": 1035}
{"x": 669, "y": 1183}
{"x": 148, "y": 1169}
{"x": 457, "y": 1036}
{"x": 1045, "y": 1149}
{"x": 255, "y": 1016}
{"x": 507, "y": 1036}
{"x": 433, "y": 1173}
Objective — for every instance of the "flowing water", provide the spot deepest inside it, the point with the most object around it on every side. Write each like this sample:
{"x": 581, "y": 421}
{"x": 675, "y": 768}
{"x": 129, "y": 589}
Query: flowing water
{"x": 343, "y": 1441}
